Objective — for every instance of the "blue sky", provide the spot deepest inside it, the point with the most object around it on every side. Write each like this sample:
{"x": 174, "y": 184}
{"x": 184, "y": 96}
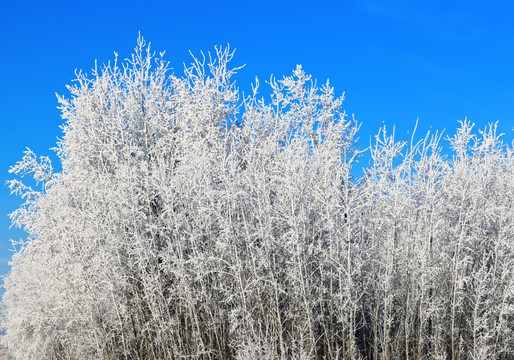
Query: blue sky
{"x": 395, "y": 60}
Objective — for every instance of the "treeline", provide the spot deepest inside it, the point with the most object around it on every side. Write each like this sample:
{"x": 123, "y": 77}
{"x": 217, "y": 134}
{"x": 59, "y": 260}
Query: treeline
{"x": 189, "y": 223}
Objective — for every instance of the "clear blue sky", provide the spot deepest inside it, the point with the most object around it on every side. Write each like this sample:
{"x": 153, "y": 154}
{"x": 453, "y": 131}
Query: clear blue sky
{"x": 396, "y": 60}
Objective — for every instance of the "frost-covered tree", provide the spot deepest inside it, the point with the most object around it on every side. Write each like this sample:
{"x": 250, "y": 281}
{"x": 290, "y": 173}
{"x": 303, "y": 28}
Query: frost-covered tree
{"x": 440, "y": 235}
{"x": 188, "y": 222}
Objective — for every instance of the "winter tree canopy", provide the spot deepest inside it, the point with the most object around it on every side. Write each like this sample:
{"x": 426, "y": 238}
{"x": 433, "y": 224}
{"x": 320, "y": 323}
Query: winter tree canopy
{"x": 190, "y": 222}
